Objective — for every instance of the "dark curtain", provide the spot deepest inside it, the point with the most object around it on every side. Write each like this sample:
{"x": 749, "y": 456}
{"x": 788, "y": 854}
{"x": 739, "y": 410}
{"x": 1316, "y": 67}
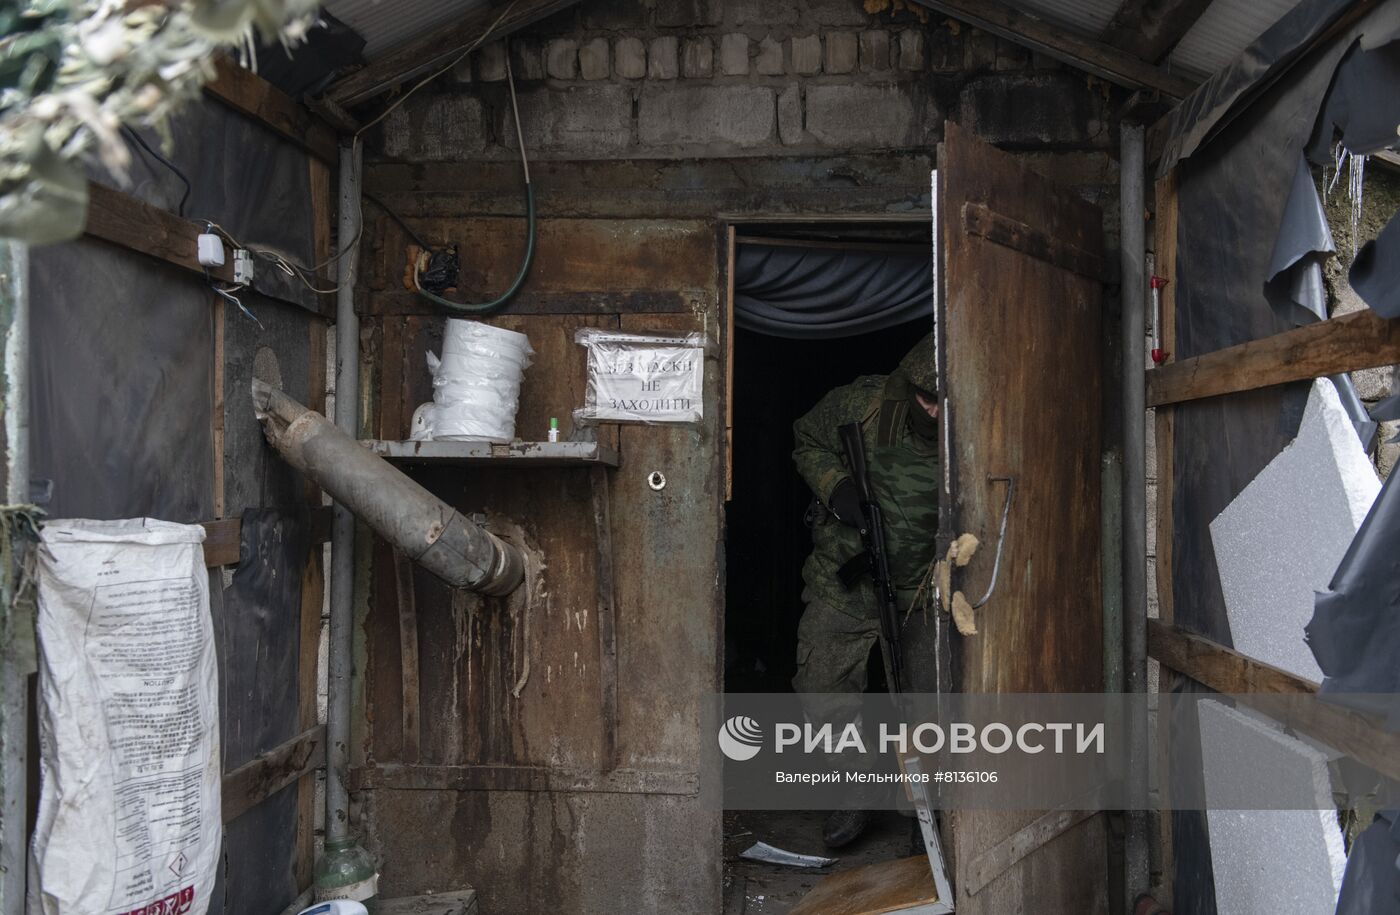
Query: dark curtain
{"x": 805, "y": 293}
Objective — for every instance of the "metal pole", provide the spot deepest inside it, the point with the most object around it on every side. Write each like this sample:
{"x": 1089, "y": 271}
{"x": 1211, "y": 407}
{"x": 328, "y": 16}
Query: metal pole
{"x": 347, "y": 417}
{"x": 1133, "y": 285}
{"x": 16, "y": 633}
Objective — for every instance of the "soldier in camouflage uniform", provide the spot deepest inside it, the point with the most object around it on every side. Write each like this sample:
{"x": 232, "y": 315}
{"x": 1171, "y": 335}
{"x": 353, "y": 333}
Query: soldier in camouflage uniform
{"x": 898, "y": 414}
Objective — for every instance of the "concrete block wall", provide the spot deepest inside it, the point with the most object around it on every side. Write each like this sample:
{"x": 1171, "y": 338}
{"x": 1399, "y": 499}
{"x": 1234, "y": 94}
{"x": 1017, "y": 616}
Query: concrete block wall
{"x": 728, "y": 78}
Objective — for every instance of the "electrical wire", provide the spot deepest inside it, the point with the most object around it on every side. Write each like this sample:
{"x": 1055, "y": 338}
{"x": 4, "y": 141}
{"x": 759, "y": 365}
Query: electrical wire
{"x": 435, "y": 74}
{"x": 227, "y": 294}
{"x": 408, "y": 230}
{"x": 141, "y": 142}
{"x": 503, "y": 298}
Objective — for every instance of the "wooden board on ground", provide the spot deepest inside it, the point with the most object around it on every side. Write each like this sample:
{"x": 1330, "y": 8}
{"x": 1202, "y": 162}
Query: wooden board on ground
{"x": 903, "y": 885}
{"x": 461, "y": 902}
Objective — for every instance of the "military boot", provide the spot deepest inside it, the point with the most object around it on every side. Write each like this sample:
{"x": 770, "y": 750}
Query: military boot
{"x": 844, "y": 826}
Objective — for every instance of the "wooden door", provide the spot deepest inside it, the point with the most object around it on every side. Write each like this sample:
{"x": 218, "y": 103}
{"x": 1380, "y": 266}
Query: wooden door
{"x": 1021, "y": 283}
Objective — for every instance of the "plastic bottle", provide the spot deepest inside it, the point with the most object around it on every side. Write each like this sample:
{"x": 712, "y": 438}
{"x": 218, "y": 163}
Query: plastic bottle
{"x": 554, "y": 428}
{"x": 346, "y": 872}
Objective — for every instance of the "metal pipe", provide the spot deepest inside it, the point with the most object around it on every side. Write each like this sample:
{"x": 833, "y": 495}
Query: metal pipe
{"x": 428, "y": 530}
{"x": 1133, "y": 247}
{"x": 340, "y": 636}
{"x": 16, "y": 632}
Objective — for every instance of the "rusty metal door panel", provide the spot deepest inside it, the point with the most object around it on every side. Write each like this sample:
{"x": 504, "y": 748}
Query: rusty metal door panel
{"x": 1021, "y": 322}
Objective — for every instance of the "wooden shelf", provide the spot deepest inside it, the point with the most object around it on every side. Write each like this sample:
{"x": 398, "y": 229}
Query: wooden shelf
{"x": 516, "y": 454}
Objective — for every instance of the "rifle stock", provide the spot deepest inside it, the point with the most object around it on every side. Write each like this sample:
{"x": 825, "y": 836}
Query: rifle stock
{"x": 872, "y": 535}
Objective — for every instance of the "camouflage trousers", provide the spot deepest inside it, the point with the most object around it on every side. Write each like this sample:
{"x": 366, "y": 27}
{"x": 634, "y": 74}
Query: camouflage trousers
{"x": 833, "y": 654}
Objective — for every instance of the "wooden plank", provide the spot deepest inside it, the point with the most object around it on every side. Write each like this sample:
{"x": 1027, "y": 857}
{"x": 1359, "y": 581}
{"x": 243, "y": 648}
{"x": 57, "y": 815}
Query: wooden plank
{"x": 607, "y": 612}
{"x": 818, "y": 244}
{"x": 222, "y": 537}
{"x": 458, "y": 902}
{"x": 730, "y": 265}
{"x": 398, "y": 302}
{"x": 1164, "y": 417}
{"x": 1003, "y": 856}
{"x": 313, "y": 582}
{"x": 216, "y": 409}
{"x": 1016, "y": 235}
{"x": 394, "y": 414}
{"x": 902, "y": 885}
{"x": 1360, "y": 340}
{"x": 1225, "y": 670}
{"x": 1076, "y": 50}
{"x": 523, "y": 778}
{"x": 322, "y": 214}
{"x": 131, "y": 223}
{"x": 439, "y": 48}
{"x": 221, "y": 540}
{"x": 260, "y": 778}
{"x": 408, "y": 656}
{"x": 122, "y": 219}
{"x": 251, "y": 95}
{"x": 1149, "y": 29}
{"x": 1222, "y": 669}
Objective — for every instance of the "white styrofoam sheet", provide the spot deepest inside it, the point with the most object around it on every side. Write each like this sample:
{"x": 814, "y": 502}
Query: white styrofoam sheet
{"x": 1282, "y": 537}
{"x": 1268, "y": 861}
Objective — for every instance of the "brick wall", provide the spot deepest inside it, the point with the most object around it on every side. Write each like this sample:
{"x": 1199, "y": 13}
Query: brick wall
{"x": 727, "y": 78}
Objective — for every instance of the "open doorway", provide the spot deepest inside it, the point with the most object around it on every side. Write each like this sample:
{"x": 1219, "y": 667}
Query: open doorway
{"x": 815, "y": 307}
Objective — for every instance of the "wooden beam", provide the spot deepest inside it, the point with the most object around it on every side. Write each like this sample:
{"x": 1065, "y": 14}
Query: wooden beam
{"x": 1225, "y": 670}
{"x": 222, "y": 537}
{"x": 1360, "y": 340}
{"x": 387, "y": 303}
{"x": 1164, "y": 419}
{"x": 251, "y": 95}
{"x": 1150, "y": 29}
{"x": 129, "y": 222}
{"x": 486, "y": 777}
{"x": 133, "y": 224}
{"x": 1076, "y": 50}
{"x": 438, "y": 49}
{"x": 265, "y": 775}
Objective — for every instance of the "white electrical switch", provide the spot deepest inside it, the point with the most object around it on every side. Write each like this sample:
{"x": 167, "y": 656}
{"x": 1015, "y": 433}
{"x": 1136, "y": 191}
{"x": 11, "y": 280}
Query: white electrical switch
{"x": 211, "y": 250}
{"x": 242, "y": 266}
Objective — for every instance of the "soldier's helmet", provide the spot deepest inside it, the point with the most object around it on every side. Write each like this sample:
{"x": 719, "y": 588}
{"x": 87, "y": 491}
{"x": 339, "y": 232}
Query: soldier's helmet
{"x": 919, "y": 365}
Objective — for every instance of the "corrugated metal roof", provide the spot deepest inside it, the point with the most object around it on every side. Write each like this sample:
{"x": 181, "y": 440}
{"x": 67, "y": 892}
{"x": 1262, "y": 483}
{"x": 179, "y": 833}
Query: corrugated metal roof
{"x": 386, "y": 24}
{"x": 1225, "y": 29}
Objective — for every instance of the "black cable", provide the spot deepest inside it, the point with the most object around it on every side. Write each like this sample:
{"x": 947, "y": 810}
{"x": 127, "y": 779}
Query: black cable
{"x": 395, "y": 217}
{"x": 141, "y": 141}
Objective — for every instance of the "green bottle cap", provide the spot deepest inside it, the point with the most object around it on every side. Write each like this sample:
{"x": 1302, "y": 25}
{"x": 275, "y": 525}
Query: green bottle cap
{"x": 554, "y": 422}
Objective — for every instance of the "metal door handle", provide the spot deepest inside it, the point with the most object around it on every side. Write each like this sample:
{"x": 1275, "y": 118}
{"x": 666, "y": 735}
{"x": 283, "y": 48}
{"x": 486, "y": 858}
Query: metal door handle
{"x": 1001, "y": 537}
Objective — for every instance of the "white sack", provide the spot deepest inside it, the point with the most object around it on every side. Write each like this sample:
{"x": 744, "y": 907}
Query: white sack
{"x": 476, "y": 384}
{"x": 129, "y": 817}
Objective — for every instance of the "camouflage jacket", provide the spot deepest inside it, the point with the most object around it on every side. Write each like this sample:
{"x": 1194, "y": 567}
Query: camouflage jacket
{"x": 905, "y": 474}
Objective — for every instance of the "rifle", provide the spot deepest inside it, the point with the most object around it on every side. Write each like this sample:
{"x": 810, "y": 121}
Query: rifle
{"x": 874, "y": 559}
